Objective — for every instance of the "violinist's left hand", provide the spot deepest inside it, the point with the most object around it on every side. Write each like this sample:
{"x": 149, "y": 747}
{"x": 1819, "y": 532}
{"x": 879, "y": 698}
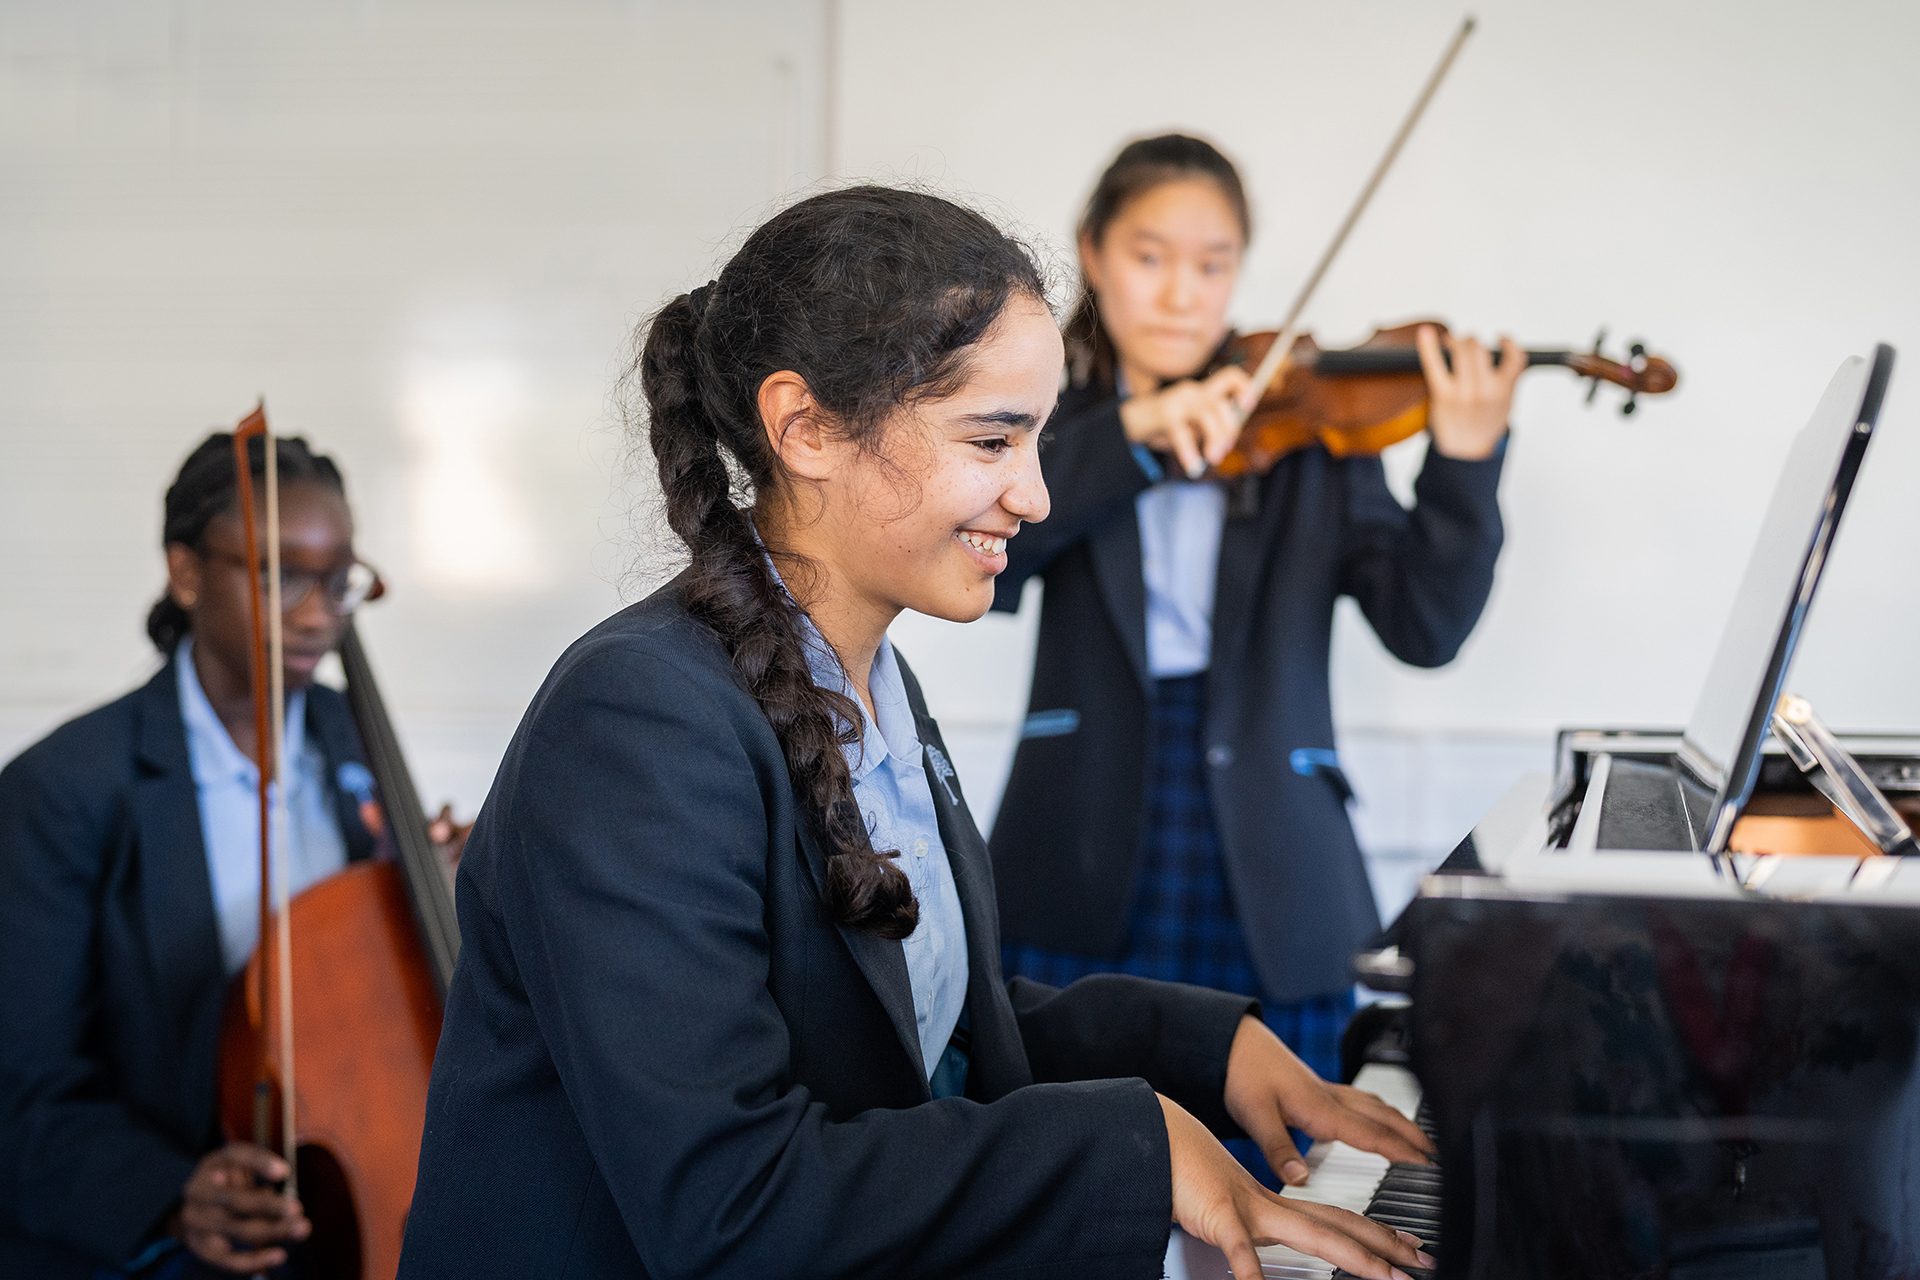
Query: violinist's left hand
{"x": 450, "y": 835}
{"x": 1470, "y": 401}
{"x": 1269, "y": 1089}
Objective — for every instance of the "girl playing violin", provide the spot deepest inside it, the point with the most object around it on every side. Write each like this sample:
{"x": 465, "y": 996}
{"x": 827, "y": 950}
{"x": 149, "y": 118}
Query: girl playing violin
{"x": 129, "y": 898}
{"x": 730, "y": 1000}
{"x": 1176, "y": 807}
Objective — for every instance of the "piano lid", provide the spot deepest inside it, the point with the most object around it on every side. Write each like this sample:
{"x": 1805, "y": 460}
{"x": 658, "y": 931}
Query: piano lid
{"x": 1721, "y": 747}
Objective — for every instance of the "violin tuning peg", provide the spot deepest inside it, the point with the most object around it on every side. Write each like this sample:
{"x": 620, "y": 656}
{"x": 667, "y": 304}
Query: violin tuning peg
{"x": 1633, "y": 403}
{"x": 1593, "y": 389}
{"x": 1637, "y": 351}
{"x": 1599, "y": 339}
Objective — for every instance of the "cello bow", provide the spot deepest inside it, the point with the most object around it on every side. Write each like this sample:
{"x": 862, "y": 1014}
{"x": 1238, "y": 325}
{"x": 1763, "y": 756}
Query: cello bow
{"x": 267, "y": 655}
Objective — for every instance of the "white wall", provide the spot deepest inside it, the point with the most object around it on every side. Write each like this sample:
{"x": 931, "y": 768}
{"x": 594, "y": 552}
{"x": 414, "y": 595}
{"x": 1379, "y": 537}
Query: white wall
{"x": 424, "y": 228}
{"x": 1732, "y": 182}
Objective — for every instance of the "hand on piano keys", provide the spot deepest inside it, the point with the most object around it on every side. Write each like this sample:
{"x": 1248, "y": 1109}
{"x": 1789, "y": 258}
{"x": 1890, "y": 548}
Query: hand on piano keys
{"x": 1270, "y": 1089}
{"x": 1218, "y": 1201}
{"x": 1405, "y": 1197}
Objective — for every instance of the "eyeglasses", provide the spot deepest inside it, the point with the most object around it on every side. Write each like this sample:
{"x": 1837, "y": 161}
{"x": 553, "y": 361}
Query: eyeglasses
{"x": 344, "y": 590}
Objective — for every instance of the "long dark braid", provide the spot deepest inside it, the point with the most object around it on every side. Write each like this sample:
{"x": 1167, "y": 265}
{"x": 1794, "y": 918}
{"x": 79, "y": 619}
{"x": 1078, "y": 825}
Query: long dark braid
{"x": 208, "y": 488}
{"x": 873, "y": 296}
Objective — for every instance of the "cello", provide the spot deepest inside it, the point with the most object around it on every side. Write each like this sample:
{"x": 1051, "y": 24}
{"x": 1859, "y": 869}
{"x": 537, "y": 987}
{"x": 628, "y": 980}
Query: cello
{"x": 369, "y": 952}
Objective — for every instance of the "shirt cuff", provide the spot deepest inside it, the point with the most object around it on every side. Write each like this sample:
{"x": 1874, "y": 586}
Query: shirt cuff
{"x": 1155, "y": 472}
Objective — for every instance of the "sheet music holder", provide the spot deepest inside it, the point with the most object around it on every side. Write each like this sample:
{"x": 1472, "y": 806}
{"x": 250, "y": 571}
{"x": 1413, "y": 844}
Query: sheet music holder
{"x": 1720, "y": 750}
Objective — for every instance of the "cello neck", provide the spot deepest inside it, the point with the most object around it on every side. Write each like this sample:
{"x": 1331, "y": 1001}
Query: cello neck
{"x": 419, "y": 858}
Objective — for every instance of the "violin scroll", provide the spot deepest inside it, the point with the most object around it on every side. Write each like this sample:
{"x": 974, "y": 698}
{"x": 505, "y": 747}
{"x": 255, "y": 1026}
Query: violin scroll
{"x": 1640, "y": 373}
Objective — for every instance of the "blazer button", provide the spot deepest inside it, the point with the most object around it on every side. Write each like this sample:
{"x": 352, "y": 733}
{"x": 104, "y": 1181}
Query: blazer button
{"x": 1219, "y": 757}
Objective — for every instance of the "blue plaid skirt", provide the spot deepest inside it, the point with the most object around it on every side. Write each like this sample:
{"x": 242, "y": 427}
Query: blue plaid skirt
{"x": 1183, "y": 926}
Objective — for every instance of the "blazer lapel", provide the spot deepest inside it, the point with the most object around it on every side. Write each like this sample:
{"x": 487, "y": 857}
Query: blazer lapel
{"x": 1246, "y": 544}
{"x": 882, "y": 960}
{"x": 175, "y": 888}
{"x": 997, "y": 1061}
{"x": 1115, "y": 548}
{"x": 330, "y": 723}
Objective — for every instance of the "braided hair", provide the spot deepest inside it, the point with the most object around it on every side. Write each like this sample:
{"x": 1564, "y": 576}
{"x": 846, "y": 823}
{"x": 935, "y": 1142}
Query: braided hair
{"x": 874, "y": 296}
{"x": 207, "y": 488}
{"x": 1139, "y": 168}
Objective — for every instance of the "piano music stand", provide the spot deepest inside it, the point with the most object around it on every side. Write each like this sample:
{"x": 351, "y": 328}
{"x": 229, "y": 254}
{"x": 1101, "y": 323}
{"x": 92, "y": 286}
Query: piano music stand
{"x": 1719, "y": 757}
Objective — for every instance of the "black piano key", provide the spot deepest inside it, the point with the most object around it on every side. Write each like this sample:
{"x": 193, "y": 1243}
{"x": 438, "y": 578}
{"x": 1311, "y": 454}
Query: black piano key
{"x": 1408, "y": 1199}
{"x": 1411, "y": 1173}
{"x": 1424, "y": 1212}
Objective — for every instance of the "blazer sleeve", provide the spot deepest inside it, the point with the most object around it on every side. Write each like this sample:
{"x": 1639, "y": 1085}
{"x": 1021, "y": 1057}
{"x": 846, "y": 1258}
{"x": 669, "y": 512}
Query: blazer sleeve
{"x": 1422, "y": 576}
{"x": 1091, "y": 473}
{"x": 1174, "y": 1036}
{"x": 81, "y": 1167}
{"x": 632, "y": 894}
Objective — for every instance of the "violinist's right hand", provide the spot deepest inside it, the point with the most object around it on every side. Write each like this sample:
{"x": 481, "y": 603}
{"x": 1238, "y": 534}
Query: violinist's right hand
{"x": 1196, "y": 422}
{"x": 227, "y": 1218}
{"x": 1217, "y": 1201}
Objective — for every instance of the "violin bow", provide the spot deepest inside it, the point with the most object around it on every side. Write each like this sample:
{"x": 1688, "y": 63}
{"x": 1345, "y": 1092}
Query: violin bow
{"x": 270, "y": 727}
{"x": 1280, "y": 354}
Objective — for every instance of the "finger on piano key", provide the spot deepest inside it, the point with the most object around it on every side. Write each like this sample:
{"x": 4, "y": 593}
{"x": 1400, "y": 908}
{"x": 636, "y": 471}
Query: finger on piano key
{"x": 1348, "y": 1178}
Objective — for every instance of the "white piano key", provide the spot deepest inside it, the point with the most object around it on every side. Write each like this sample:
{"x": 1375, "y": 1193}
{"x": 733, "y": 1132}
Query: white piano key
{"x": 1340, "y": 1175}
{"x": 1337, "y": 1174}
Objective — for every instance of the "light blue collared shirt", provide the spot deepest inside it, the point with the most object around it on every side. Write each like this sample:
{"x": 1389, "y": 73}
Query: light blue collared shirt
{"x": 1180, "y": 525}
{"x": 891, "y": 787}
{"x": 227, "y": 784}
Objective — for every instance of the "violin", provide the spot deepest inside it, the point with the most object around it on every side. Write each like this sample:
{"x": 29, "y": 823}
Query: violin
{"x": 1362, "y": 400}
{"x": 370, "y": 952}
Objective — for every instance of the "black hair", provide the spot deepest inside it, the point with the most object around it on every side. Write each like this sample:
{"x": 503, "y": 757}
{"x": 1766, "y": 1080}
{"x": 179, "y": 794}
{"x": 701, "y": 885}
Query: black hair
{"x": 207, "y": 488}
{"x": 1139, "y": 168}
{"x": 874, "y": 296}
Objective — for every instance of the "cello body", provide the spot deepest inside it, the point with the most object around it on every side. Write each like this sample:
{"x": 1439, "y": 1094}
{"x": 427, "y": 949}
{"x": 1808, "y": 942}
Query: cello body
{"x": 371, "y": 952}
{"x": 366, "y": 1024}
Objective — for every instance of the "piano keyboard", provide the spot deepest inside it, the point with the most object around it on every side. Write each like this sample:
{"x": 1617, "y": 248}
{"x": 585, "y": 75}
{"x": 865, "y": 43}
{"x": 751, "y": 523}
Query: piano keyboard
{"x": 1405, "y": 1197}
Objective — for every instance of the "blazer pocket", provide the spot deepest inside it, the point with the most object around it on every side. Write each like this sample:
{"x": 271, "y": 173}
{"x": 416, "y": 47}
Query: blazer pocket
{"x": 1308, "y": 761}
{"x": 1050, "y": 724}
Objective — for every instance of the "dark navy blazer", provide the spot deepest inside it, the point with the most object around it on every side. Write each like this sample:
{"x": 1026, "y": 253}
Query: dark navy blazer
{"x": 111, "y": 979}
{"x": 660, "y": 1059}
{"x": 1066, "y": 843}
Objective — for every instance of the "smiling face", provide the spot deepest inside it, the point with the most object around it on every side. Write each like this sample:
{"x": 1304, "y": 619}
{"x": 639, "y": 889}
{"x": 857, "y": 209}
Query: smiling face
{"x": 1164, "y": 271}
{"x": 920, "y": 519}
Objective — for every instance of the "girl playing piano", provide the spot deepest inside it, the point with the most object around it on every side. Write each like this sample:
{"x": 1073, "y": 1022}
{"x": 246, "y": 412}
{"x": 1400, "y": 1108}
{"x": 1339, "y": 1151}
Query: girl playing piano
{"x": 730, "y": 1002}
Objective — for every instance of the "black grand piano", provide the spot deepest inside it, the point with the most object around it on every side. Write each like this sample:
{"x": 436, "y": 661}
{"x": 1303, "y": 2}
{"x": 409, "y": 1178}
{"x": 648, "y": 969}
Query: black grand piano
{"x": 1661, "y": 1008}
